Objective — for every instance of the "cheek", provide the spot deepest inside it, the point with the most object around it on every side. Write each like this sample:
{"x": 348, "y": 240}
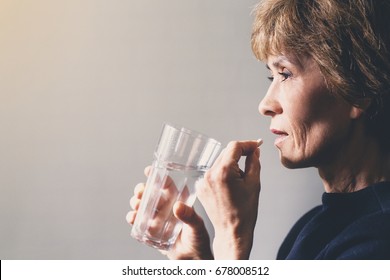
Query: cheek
{"x": 317, "y": 132}
{"x": 315, "y": 119}
{"x": 300, "y": 122}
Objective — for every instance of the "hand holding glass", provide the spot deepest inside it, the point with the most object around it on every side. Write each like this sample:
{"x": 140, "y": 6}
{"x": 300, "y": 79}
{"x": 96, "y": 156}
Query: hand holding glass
{"x": 181, "y": 158}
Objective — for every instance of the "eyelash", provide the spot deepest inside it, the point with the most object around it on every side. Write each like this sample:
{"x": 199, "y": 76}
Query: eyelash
{"x": 283, "y": 74}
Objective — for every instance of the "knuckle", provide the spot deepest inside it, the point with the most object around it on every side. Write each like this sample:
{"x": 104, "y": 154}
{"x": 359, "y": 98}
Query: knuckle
{"x": 214, "y": 177}
{"x": 139, "y": 188}
{"x": 208, "y": 176}
{"x": 134, "y": 202}
{"x": 233, "y": 145}
{"x": 130, "y": 217}
{"x": 224, "y": 173}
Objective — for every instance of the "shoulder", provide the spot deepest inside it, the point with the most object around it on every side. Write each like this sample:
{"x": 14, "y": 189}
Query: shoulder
{"x": 366, "y": 238}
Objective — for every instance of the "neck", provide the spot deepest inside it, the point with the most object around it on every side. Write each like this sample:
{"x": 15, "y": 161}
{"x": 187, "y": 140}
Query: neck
{"x": 353, "y": 171}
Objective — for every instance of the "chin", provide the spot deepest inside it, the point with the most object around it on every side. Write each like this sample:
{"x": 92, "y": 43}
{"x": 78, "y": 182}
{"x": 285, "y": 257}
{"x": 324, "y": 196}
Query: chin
{"x": 294, "y": 163}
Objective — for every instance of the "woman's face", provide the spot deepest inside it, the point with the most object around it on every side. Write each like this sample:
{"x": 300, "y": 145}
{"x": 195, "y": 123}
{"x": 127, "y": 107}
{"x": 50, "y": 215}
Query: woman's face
{"x": 311, "y": 125}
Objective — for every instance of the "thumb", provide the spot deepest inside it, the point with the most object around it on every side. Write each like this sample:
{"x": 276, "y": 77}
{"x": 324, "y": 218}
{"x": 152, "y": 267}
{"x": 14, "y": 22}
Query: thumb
{"x": 187, "y": 215}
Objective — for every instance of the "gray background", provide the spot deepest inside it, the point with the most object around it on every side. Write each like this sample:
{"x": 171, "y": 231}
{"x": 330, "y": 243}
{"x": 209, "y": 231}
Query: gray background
{"x": 85, "y": 86}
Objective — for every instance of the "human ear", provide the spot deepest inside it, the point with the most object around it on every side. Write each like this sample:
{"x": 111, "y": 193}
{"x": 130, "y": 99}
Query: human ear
{"x": 358, "y": 110}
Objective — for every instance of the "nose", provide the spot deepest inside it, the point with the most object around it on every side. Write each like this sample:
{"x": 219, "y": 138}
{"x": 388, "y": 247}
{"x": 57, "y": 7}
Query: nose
{"x": 270, "y": 105}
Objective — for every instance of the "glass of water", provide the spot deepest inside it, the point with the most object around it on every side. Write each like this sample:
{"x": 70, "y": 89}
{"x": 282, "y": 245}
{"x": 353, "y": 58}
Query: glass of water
{"x": 181, "y": 158}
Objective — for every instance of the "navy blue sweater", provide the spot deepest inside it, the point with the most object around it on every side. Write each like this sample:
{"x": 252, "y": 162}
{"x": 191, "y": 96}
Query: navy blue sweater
{"x": 346, "y": 226}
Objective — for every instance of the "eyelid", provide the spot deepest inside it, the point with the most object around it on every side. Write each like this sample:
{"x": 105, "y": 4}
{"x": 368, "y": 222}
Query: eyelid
{"x": 285, "y": 74}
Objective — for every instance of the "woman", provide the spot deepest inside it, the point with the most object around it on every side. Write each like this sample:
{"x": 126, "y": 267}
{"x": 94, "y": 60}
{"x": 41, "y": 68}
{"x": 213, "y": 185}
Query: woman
{"x": 329, "y": 63}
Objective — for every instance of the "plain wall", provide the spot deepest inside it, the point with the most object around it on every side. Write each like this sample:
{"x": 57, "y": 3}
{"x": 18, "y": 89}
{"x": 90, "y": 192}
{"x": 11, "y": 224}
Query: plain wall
{"x": 85, "y": 86}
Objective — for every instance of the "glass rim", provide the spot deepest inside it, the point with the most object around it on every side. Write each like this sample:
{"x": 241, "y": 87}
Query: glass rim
{"x": 191, "y": 132}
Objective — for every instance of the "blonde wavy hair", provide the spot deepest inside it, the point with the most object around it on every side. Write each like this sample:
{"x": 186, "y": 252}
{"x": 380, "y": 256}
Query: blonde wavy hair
{"x": 348, "y": 39}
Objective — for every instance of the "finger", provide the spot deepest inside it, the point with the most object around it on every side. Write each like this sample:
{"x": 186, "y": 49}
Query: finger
{"x": 147, "y": 170}
{"x": 184, "y": 194}
{"x": 187, "y": 215}
{"x": 252, "y": 164}
{"x": 163, "y": 207}
{"x": 135, "y": 202}
{"x": 130, "y": 217}
{"x": 220, "y": 157}
{"x": 163, "y": 180}
{"x": 164, "y": 252}
{"x": 169, "y": 183}
{"x": 139, "y": 190}
{"x": 236, "y": 149}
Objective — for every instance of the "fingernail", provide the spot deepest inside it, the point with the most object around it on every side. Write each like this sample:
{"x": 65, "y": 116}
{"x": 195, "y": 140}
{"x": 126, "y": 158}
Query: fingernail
{"x": 259, "y": 142}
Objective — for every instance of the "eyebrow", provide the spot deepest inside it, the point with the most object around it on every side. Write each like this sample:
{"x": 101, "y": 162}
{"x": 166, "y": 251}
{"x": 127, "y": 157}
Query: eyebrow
{"x": 278, "y": 62}
{"x": 295, "y": 62}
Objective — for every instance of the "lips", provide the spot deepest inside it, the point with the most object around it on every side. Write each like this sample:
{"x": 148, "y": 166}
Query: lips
{"x": 278, "y": 132}
{"x": 281, "y": 136}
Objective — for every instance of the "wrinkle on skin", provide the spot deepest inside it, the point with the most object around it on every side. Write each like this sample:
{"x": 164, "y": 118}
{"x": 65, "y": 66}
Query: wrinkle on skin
{"x": 324, "y": 131}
